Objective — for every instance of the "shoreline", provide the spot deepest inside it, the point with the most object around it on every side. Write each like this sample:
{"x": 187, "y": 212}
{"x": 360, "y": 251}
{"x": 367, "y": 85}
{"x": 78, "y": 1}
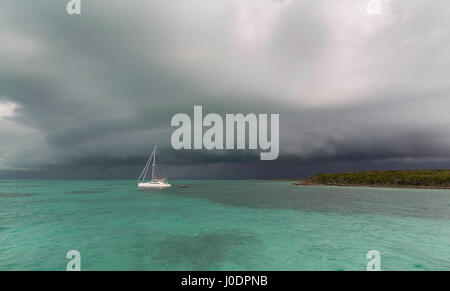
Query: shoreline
{"x": 372, "y": 186}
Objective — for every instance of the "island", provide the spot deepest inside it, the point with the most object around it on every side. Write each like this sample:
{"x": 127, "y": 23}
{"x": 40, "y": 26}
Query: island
{"x": 438, "y": 179}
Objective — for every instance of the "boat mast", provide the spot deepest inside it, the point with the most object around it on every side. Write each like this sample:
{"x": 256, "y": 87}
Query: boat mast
{"x": 153, "y": 165}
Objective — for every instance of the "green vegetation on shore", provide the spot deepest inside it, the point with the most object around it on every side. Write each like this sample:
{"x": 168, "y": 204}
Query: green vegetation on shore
{"x": 407, "y": 178}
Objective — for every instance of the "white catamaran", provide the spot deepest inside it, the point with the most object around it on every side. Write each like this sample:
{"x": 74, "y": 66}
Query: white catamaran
{"x": 156, "y": 182}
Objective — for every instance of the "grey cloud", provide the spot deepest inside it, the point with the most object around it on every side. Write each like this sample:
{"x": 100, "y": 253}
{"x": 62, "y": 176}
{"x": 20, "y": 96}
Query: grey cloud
{"x": 97, "y": 91}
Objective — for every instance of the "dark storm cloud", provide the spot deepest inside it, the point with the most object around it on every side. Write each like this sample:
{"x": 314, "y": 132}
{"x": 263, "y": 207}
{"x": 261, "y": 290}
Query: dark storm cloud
{"x": 88, "y": 96}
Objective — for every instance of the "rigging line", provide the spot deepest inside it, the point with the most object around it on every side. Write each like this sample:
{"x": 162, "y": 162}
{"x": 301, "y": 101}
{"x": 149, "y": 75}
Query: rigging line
{"x": 144, "y": 172}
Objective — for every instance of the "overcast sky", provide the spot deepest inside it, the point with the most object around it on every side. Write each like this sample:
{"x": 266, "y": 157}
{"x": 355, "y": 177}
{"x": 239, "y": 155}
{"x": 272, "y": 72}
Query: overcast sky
{"x": 358, "y": 84}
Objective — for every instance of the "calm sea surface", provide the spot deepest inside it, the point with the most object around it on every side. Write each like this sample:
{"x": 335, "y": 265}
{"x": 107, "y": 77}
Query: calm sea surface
{"x": 220, "y": 225}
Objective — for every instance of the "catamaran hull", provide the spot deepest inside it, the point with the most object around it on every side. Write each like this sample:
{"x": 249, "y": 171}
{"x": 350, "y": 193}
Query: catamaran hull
{"x": 154, "y": 185}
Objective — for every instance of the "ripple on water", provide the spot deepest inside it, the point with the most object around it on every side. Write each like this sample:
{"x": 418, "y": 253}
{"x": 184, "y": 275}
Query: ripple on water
{"x": 14, "y": 195}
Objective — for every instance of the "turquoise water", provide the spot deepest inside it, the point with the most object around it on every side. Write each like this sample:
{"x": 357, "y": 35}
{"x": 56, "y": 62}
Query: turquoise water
{"x": 220, "y": 225}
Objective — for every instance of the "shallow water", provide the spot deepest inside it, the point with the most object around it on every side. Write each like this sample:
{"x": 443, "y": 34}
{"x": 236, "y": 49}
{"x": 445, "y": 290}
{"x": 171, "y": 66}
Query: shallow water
{"x": 220, "y": 225}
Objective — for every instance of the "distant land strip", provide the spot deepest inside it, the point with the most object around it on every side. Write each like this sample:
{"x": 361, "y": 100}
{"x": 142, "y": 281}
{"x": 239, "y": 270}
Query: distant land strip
{"x": 434, "y": 179}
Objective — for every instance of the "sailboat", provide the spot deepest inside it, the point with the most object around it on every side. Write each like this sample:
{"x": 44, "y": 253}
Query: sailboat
{"x": 156, "y": 182}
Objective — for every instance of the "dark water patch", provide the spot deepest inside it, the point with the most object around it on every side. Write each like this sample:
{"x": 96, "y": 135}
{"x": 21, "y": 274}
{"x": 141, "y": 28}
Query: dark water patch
{"x": 103, "y": 189}
{"x": 421, "y": 203}
{"x": 121, "y": 184}
{"x": 14, "y": 195}
{"x": 86, "y": 192}
{"x": 204, "y": 251}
